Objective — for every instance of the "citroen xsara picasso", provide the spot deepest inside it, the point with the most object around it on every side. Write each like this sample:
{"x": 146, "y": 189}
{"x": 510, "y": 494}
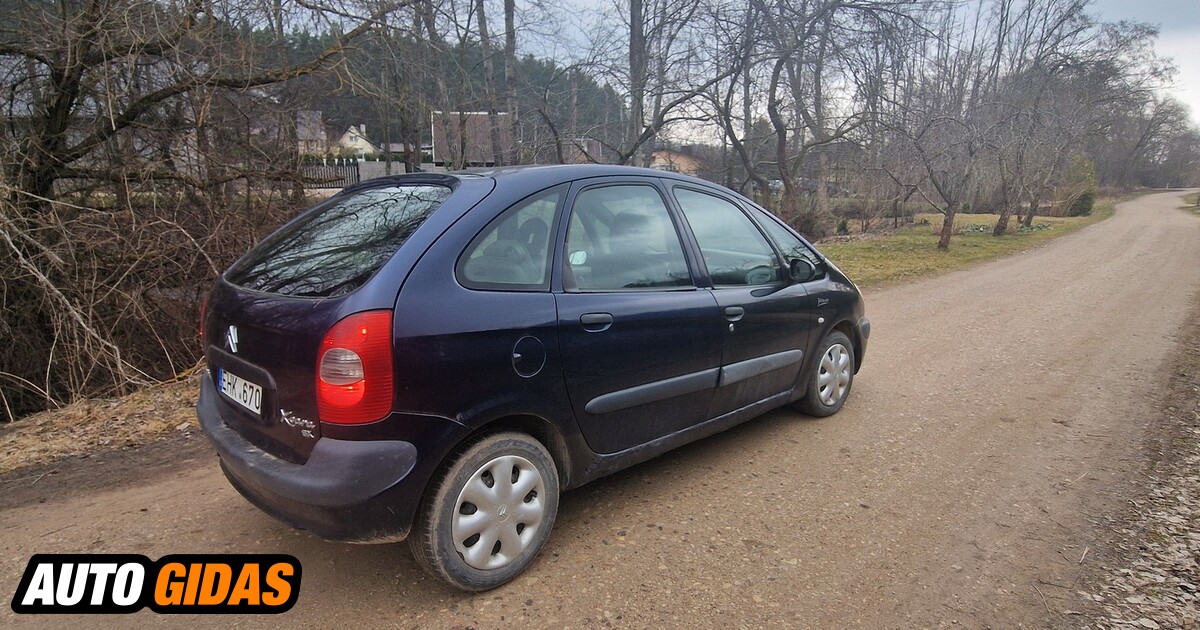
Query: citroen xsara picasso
{"x": 437, "y": 357}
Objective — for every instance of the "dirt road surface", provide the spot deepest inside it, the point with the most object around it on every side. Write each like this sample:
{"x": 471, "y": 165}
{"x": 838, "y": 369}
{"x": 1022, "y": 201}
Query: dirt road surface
{"x": 998, "y": 418}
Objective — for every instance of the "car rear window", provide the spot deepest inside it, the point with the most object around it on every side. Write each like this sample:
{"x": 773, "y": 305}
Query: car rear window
{"x": 336, "y": 250}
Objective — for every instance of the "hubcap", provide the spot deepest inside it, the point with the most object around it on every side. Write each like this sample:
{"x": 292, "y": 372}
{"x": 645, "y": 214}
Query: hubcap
{"x": 499, "y": 512}
{"x": 833, "y": 377}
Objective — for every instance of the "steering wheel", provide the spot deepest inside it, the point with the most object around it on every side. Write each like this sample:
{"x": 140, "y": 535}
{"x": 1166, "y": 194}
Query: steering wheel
{"x": 762, "y": 274}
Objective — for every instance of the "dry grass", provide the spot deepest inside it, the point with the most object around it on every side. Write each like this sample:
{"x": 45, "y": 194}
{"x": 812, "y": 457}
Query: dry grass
{"x": 963, "y": 220}
{"x": 1192, "y": 202}
{"x": 91, "y": 426}
{"x": 912, "y": 252}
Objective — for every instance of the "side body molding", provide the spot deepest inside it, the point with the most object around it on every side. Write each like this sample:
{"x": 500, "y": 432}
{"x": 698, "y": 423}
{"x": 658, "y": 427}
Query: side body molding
{"x": 750, "y": 368}
{"x": 692, "y": 383}
{"x": 654, "y": 392}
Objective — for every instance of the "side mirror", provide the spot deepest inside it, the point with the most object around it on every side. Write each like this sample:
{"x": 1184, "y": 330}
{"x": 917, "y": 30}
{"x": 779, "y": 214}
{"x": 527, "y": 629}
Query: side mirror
{"x": 801, "y": 269}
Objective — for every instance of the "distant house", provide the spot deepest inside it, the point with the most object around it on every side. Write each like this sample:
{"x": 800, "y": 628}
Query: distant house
{"x": 466, "y": 138}
{"x": 355, "y": 142}
{"x": 676, "y": 162}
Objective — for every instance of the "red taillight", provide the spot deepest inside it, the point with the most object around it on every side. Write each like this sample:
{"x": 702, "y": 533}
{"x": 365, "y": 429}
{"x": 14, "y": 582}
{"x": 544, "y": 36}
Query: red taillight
{"x": 354, "y": 369}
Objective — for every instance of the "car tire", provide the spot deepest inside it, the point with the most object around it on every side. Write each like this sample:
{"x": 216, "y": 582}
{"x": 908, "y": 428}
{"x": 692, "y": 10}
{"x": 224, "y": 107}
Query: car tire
{"x": 489, "y": 514}
{"x": 831, "y": 378}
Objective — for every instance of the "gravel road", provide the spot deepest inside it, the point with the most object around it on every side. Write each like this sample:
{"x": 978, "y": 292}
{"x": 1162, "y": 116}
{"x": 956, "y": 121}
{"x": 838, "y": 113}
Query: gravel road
{"x": 998, "y": 417}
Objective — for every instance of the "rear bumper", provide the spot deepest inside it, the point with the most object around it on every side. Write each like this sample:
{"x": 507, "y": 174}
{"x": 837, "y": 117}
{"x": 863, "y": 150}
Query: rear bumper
{"x": 348, "y": 490}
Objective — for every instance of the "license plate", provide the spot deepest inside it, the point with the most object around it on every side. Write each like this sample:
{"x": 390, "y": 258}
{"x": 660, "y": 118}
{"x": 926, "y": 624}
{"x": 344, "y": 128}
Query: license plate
{"x": 240, "y": 391}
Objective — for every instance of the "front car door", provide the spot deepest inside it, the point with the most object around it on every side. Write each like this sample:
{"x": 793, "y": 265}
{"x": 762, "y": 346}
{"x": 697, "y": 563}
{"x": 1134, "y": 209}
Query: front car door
{"x": 765, "y": 326}
{"x": 824, "y": 296}
{"x": 640, "y": 343}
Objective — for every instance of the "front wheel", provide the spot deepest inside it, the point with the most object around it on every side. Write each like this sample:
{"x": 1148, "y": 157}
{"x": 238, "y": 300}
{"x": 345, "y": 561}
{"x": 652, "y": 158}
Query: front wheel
{"x": 829, "y": 384}
{"x": 489, "y": 515}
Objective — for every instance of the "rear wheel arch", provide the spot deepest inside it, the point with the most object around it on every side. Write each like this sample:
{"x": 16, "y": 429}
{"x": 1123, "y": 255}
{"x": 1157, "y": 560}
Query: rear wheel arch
{"x": 536, "y": 427}
{"x": 543, "y": 431}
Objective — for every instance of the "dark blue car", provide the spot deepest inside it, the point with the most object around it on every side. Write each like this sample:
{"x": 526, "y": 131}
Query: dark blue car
{"x": 436, "y": 357}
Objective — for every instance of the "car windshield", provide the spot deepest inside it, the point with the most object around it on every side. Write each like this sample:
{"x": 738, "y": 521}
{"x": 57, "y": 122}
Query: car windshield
{"x": 335, "y": 251}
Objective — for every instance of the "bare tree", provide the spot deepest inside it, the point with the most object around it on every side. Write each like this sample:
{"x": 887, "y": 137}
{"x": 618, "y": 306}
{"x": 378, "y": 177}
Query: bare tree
{"x": 511, "y": 78}
{"x": 112, "y": 118}
{"x": 144, "y": 144}
{"x": 491, "y": 97}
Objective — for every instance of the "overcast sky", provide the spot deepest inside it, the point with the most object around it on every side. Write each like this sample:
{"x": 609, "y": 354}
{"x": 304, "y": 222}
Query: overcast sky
{"x": 1179, "y": 38}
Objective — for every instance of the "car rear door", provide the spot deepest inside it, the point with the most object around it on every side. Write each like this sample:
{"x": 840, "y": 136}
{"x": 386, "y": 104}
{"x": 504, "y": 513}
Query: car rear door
{"x": 640, "y": 344}
{"x": 765, "y": 326}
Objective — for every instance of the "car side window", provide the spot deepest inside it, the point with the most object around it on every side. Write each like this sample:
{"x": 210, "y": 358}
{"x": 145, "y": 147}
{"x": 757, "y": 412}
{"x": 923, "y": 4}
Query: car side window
{"x": 790, "y": 244}
{"x": 735, "y": 252}
{"x": 513, "y": 252}
{"x": 620, "y": 238}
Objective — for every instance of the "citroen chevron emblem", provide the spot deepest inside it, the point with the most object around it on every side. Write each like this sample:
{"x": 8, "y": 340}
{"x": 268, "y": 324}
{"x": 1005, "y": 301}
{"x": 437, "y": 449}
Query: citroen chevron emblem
{"x": 231, "y": 339}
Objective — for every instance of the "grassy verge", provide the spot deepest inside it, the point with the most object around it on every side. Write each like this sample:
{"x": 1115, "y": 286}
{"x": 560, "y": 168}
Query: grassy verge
{"x": 1192, "y": 202}
{"x": 91, "y": 426}
{"x": 912, "y": 252}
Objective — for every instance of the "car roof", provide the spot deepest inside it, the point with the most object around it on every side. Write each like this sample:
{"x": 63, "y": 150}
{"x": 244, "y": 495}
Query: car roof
{"x": 531, "y": 176}
{"x": 557, "y": 173}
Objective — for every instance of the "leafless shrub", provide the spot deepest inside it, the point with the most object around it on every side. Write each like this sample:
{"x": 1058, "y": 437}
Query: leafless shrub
{"x": 99, "y": 298}
{"x": 142, "y": 146}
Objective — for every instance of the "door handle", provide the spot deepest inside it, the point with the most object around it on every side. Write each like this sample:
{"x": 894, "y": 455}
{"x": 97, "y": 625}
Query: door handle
{"x": 734, "y": 313}
{"x": 596, "y": 322}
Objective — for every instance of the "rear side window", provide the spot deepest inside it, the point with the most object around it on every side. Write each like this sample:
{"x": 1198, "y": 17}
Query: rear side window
{"x": 333, "y": 252}
{"x": 513, "y": 251}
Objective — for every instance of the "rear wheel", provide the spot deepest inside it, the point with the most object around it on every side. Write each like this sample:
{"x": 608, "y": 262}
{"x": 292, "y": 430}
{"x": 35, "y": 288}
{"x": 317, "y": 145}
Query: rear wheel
{"x": 490, "y": 513}
{"x": 829, "y": 384}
